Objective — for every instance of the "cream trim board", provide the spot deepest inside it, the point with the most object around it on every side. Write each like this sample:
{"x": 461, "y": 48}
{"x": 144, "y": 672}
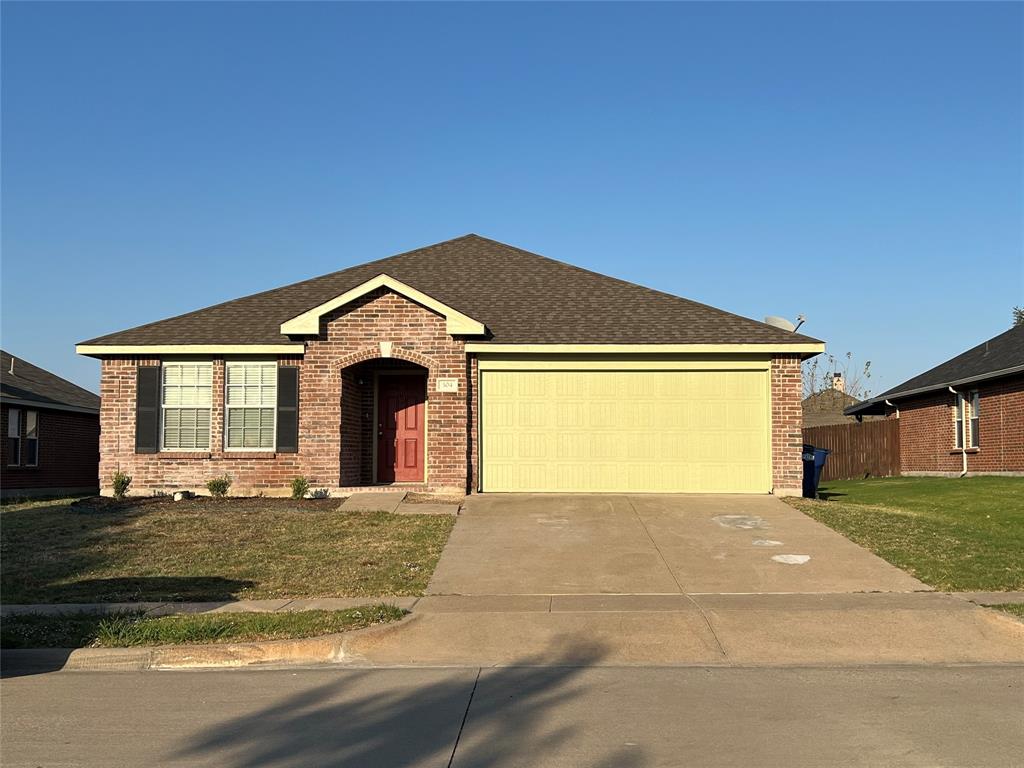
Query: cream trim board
{"x": 623, "y": 363}
{"x": 551, "y": 349}
{"x": 308, "y": 323}
{"x": 99, "y": 350}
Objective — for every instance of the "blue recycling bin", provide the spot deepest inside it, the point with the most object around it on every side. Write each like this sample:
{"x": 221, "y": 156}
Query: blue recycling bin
{"x": 814, "y": 460}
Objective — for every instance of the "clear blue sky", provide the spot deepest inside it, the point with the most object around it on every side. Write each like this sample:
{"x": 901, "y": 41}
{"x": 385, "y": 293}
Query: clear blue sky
{"x": 859, "y": 163}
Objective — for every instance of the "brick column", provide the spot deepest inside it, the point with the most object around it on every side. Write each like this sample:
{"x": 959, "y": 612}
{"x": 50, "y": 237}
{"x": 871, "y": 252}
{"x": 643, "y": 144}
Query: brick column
{"x": 787, "y": 426}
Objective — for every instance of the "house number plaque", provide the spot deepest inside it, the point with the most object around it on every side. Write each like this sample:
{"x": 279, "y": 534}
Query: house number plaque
{"x": 447, "y": 385}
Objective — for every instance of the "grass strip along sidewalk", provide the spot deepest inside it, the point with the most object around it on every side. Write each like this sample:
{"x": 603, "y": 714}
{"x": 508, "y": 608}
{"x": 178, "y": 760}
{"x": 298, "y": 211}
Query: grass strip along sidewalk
{"x": 125, "y": 630}
{"x": 955, "y": 534}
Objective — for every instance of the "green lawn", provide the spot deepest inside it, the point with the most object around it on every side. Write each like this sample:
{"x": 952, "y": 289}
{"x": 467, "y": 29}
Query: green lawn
{"x": 131, "y": 629}
{"x": 208, "y": 549}
{"x": 954, "y": 534}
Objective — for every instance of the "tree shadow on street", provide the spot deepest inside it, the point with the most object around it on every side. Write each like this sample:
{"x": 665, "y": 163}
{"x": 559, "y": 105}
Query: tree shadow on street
{"x": 373, "y": 718}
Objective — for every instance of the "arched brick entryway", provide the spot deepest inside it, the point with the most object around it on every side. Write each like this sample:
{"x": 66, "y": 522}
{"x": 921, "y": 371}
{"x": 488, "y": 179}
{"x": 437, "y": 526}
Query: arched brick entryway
{"x": 366, "y": 377}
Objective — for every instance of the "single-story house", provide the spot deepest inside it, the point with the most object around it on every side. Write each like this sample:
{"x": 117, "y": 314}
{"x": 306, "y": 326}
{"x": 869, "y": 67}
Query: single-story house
{"x": 825, "y": 408}
{"x": 52, "y": 432}
{"x": 469, "y": 365}
{"x": 964, "y": 416}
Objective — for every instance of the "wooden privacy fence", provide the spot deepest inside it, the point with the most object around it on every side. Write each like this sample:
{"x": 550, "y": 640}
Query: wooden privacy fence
{"x": 868, "y": 449}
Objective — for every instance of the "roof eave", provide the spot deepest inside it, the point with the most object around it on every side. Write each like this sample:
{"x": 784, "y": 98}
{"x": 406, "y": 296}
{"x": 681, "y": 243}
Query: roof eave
{"x": 806, "y": 350}
{"x": 46, "y": 405}
{"x": 100, "y": 351}
{"x": 877, "y": 405}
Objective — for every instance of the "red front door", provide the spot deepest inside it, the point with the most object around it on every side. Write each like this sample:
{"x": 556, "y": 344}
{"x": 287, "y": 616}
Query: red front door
{"x": 401, "y": 401}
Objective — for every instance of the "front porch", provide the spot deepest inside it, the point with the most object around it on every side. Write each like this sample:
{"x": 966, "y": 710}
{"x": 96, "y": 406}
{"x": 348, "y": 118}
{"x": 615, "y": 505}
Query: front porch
{"x": 383, "y": 426}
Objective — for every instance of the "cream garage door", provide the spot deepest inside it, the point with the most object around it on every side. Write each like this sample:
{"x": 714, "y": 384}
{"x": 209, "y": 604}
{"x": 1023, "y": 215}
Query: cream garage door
{"x": 618, "y": 431}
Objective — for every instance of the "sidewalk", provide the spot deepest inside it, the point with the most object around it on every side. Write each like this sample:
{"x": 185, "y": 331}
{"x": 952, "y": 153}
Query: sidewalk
{"x": 223, "y": 606}
{"x": 598, "y": 630}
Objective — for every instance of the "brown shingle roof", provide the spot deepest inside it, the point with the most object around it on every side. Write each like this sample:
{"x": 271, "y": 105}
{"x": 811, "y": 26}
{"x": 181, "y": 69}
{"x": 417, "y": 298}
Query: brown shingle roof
{"x": 33, "y": 384}
{"x": 521, "y": 297}
{"x": 1002, "y": 355}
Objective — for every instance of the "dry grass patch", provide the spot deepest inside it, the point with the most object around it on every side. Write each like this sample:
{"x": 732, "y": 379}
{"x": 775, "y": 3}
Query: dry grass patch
{"x": 212, "y": 549}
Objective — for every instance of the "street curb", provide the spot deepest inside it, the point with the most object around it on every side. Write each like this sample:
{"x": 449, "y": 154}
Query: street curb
{"x": 325, "y": 649}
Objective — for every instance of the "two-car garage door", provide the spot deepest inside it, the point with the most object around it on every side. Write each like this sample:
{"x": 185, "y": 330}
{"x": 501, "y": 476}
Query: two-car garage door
{"x": 699, "y": 431}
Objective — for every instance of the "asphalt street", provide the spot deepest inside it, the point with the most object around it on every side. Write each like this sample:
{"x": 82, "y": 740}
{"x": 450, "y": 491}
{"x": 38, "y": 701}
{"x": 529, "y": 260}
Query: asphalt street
{"x": 518, "y": 716}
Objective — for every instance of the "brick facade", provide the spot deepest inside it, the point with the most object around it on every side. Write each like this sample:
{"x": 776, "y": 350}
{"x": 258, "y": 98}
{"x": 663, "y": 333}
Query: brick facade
{"x": 333, "y": 408}
{"x": 380, "y": 332}
{"x": 787, "y": 425}
{"x": 68, "y": 453}
{"x": 928, "y": 436}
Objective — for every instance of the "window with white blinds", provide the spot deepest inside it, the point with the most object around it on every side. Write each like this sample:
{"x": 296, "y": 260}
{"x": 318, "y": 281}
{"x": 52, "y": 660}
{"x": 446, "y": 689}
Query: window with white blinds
{"x": 185, "y": 398}
{"x": 250, "y": 398}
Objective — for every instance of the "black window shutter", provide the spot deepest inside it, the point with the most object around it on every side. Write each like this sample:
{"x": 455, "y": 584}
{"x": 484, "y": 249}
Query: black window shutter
{"x": 288, "y": 409}
{"x": 147, "y": 409}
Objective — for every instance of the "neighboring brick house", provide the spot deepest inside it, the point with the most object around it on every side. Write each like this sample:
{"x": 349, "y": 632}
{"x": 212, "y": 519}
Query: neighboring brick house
{"x": 963, "y": 416}
{"x": 464, "y": 366}
{"x": 51, "y": 431}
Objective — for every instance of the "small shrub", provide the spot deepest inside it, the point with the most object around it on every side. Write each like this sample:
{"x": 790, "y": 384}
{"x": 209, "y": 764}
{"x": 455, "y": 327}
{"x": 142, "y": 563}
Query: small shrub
{"x": 219, "y": 486}
{"x": 320, "y": 493}
{"x": 121, "y": 481}
{"x": 300, "y": 487}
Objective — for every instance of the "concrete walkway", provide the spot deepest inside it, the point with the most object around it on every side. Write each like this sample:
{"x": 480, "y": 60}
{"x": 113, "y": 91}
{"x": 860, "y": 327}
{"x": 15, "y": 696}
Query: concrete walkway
{"x": 708, "y": 629}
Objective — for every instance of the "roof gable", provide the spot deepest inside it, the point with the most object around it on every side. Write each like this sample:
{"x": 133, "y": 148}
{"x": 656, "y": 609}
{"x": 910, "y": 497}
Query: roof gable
{"x": 308, "y": 323}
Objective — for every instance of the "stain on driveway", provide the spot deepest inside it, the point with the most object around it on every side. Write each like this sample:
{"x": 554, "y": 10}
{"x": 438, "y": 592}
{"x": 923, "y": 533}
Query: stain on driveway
{"x": 554, "y": 544}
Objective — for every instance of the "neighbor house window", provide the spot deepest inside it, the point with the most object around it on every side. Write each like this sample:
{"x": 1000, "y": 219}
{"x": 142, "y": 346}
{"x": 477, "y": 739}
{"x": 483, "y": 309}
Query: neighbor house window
{"x": 959, "y": 421}
{"x": 250, "y": 398}
{"x": 975, "y": 418}
{"x": 31, "y": 438}
{"x": 185, "y": 406}
{"x": 13, "y": 437}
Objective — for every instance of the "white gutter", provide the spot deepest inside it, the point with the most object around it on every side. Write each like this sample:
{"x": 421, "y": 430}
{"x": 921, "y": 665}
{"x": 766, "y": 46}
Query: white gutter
{"x": 963, "y": 430}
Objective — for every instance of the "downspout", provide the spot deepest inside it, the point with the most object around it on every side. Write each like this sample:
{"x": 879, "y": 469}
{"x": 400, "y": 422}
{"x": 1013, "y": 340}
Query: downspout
{"x": 891, "y": 405}
{"x": 963, "y": 432}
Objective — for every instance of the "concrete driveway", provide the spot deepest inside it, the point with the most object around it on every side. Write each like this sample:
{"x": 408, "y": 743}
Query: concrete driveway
{"x": 599, "y": 580}
{"x": 557, "y": 544}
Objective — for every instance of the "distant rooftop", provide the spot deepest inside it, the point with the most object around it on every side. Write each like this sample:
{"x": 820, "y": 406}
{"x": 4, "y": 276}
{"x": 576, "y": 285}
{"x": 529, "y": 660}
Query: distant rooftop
{"x": 22, "y": 383}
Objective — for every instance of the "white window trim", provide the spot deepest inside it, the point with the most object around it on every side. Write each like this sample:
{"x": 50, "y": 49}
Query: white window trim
{"x": 960, "y": 422}
{"x": 27, "y": 438}
{"x": 972, "y": 433}
{"x": 160, "y": 426}
{"x": 227, "y": 408}
{"x": 11, "y": 413}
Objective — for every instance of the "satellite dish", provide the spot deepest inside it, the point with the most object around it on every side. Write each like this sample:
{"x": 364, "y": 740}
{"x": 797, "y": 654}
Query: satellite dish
{"x": 780, "y": 322}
